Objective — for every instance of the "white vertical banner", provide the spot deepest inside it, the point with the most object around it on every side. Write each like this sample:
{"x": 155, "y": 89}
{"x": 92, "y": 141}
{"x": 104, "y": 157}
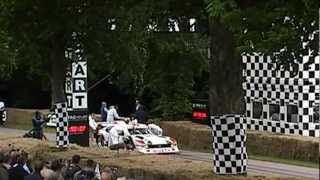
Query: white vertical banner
{"x": 79, "y": 85}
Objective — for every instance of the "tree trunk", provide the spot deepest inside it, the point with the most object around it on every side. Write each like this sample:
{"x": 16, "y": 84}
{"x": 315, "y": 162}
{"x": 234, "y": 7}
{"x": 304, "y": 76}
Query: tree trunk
{"x": 225, "y": 90}
{"x": 58, "y": 68}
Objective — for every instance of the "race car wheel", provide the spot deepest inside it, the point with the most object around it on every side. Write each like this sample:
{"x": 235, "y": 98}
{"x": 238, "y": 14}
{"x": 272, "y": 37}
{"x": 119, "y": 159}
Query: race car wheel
{"x": 129, "y": 143}
{"x": 100, "y": 141}
{"x": 2, "y": 118}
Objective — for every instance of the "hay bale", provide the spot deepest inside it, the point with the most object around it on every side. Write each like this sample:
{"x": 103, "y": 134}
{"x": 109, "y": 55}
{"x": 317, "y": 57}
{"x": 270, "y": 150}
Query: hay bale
{"x": 199, "y": 137}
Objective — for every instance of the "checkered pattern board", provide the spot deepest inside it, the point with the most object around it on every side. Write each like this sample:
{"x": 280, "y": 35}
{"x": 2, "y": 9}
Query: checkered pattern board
{"x": 62, "y": 136}
{"x": 229, "y": 144}
{"x": 263, "y": 83}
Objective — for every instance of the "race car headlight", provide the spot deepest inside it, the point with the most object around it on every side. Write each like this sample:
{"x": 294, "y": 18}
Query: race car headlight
{"x": 139, "y": 142}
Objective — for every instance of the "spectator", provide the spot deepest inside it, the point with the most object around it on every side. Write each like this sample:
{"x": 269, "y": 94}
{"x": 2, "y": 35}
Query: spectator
{"x": 49, "y": 171}
{"x": 38, "y": 166}
{"x": 17, "y": 172}
{"x": 48, "y": 174}
{"x": 141, "y": 115}
{"x": 13, "y": 154}
{"x": 4, "y": 174}
{"x": 104, "y": 111}
{"x": 56, "y": 166}
{"x": 37, "y": 122}
{"x": 107, "y": 174}
{"x": 90, "y": 165}
{"x": 6, "y": 161}
{"x": 87, "y": 172}
{"x": 27, "y": 165}
{"x": 72, "y": 168}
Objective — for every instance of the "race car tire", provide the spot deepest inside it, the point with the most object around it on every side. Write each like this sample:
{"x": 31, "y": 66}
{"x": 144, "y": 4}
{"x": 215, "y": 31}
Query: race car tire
{"x": 129, "y": 143}
{"x": 100, "y": 141}
{"x": 2, "y": 120}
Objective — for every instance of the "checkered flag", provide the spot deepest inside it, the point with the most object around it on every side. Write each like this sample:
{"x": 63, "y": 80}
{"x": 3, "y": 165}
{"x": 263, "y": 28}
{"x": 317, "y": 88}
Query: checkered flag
{"x": 229, "y": 144}
{"x": 262, "y": 83}
{"x": 62, "y": 136}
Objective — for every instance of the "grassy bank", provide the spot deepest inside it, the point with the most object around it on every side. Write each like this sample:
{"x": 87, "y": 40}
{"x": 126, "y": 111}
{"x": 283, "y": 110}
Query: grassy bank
{"x": 151, "y": 167}
{"x": 296, "y": 150}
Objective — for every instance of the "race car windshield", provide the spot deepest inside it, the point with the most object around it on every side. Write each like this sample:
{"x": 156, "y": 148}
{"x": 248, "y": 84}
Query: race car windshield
{"x": 138, "y": 131}
{"x": 1, "y": 105}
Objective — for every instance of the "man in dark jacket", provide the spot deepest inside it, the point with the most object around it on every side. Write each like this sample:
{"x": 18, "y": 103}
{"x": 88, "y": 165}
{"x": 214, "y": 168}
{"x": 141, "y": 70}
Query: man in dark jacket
{"x": 72, "y": 169}
{"x": 17, "y": 172}
{"x": 37, "y": 122}
{"x": 38, "y": 165}
{"x": 141, "y": 115}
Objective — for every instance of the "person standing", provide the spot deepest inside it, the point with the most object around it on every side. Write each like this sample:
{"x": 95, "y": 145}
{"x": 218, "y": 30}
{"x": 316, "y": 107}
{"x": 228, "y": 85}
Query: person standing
{"x": 137, "y": 105}
{"x": 113, "y": 114}
{"x": 141, "y": 115}
{"x": 38, "y": 165}
{"x": 104, "y": 111}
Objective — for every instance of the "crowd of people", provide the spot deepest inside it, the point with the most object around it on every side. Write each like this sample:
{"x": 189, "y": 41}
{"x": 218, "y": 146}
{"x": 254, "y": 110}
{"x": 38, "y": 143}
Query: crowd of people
{"x": 16, "y": 165}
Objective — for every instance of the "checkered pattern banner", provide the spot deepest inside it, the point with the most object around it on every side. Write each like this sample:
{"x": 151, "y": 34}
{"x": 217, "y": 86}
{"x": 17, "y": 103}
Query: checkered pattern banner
{"x": 229, "y": 144}
{"x": 277, "y": 91}
{"x": 62, "y": 136}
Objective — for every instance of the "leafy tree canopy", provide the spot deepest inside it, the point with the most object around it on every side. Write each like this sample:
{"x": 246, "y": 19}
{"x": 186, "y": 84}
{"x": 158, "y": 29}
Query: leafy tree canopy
{"x": 287, "y": 27}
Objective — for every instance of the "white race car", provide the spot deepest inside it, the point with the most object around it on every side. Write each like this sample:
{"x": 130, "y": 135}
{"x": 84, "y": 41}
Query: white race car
{"x": 146, "y": 139}
{"x": 147, "y": 142}
{"x": 3, "y": 113}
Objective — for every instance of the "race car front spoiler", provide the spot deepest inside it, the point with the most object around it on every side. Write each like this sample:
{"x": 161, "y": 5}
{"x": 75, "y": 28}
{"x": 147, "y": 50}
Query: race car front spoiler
{"x": 168, "y": 150}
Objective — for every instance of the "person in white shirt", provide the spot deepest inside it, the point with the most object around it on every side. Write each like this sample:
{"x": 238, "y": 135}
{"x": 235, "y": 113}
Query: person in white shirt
{"x": 92, "y": 122}
{"x": 114, "y": 137}
{"x": 113, "y": 114}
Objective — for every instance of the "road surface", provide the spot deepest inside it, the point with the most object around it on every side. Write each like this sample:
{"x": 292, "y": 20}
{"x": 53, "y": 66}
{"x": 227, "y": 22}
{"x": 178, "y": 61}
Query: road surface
{"x": 255, "y": 167}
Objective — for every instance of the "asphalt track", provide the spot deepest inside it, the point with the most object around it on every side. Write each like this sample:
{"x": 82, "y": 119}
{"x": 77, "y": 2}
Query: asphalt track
{"x": 255, "y": 167}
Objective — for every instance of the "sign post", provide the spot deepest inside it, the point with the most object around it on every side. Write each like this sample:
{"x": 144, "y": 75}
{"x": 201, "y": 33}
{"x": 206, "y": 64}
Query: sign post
{"x": 77, "y": 99}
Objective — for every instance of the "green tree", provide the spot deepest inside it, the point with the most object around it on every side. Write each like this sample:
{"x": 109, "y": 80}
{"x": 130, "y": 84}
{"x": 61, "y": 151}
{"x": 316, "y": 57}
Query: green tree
{"x": 255, "y": 26}
{"x": 7, "y": 57}
{"x": 175, "y": 60}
